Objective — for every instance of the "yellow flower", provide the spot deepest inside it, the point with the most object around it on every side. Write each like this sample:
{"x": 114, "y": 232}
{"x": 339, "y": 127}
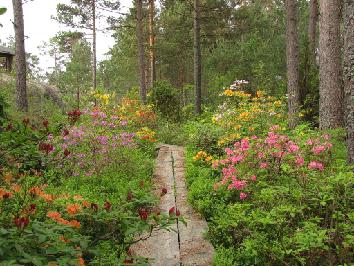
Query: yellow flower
{"x": 260, "y": 93}
{"x": 209, "y": 158}
{"x": 228, "y": 92}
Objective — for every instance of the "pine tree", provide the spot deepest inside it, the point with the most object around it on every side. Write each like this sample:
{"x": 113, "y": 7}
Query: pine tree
{"x": 197, "y": 59}
{"x": 292, "y": 58}
{"x": 139, "y": 36}
{"x": 349, "y": 75}
{"x": 21, "y": 86}
{"x": 331, "y": 94}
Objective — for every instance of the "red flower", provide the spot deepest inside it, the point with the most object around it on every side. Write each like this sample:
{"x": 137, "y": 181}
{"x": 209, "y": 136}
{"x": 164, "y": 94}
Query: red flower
{"x": 178, "y": 213}
{"x": 130, "y": 196}
{"x": 66, "y": 153}
{"x": 171, "y": 211}
{"x": 45, "y": 147}
{"x": 143, "y": 214}
{"x": 94, "y": 207}
{"x": 45, "y": 123}
{"x": 107, "y": 206}
{"x": 163, "y": 191}
{"x": 128, "y": 261}
{"x": 33, "y": 207}
{"x": 74, "y": 115}
{"x": 21, "y": 222}
{"x": 65, "y": 132}
{"x": 9, "y": 127}
{"x": 6, "y": 195}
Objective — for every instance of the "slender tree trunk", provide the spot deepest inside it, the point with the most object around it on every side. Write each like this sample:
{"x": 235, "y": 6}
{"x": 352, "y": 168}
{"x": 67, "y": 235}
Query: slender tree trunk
{"x": 21, "y": 86}
{"x": 197, "y": 59}
{"x": 349, "y": 75}
{"x": 312, "y": 25}
{"x": 331, "y": 94}
{"x": 310, "y": 59}
{"x": 94, "y": 50}
{"x": 139, "y": 35}
{"x": 292, "y": 58}
{"x": 152, "y": 42}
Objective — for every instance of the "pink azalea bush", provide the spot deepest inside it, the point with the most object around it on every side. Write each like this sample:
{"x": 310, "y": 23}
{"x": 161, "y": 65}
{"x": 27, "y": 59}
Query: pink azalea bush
{"x": 255, "y": 158}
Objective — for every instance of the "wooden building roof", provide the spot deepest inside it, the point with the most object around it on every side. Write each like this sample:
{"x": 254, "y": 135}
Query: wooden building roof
{"x": 6, "y": 51}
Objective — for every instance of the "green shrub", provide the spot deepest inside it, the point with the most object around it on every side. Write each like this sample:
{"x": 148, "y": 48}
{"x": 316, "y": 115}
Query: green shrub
{"x": 166, "y": 100}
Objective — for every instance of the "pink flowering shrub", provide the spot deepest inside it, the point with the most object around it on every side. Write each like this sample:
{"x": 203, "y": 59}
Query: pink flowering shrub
{"x": 87, "y": 147}
{"x": 267, "y": 158}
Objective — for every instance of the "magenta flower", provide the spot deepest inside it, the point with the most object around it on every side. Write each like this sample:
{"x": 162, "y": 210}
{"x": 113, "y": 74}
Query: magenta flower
{"x": 299, "y": 161}
{"x": 315, "y": 165}
{"x": 263, "y": 165}
{"x": 243, "y": 196}
{"x": 318, "y": 149}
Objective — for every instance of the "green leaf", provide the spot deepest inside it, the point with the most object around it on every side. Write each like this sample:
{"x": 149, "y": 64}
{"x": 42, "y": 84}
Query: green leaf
{"x": 2, "y": 10}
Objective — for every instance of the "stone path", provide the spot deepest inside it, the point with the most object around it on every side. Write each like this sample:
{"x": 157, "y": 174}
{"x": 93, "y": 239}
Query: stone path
{"x": 184, "y": 245}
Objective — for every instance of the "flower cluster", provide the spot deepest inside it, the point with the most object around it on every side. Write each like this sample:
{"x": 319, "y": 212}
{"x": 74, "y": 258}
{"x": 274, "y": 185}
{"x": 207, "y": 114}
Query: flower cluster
{"x": 203, "y": 156}
{"x": 269, "y": 156}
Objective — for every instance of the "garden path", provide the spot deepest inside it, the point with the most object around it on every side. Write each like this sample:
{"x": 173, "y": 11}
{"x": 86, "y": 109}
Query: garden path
{"x": 184, "y": 245}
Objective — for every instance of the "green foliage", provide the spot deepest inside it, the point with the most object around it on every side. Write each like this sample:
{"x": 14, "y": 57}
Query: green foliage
{"x": 291, "y": 215}
{"x": 166, "y": 100}
{"x": 40, "y": 244}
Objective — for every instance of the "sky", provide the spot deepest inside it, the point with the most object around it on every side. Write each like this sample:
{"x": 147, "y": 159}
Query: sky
{"x": 39, "y": 27}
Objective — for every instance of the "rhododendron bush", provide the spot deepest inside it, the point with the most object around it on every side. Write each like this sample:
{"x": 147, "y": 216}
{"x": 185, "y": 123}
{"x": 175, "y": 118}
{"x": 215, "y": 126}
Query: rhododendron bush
{"x": 269, "y": 158}
{"x": 78, "y": 192}
{"x": 272, "y": 196}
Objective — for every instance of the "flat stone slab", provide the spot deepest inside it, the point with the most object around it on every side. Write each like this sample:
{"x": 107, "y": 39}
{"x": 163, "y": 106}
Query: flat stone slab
{"x": 185, "y": 245}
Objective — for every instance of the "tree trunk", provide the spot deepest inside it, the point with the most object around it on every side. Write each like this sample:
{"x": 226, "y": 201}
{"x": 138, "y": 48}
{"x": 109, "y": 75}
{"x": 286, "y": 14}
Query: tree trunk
{"x": 94, "y": 50}
{"x": 348, "y": 75}
{"x": 312, "y": 25}
{"x": 197, "y": 59}
{"x": 331, "y": 95}
{"x": 21, "y": 86}
{"x": 139, "y": 35}
{"x": 152, "y": 42}
{"x": 292, "y": 58}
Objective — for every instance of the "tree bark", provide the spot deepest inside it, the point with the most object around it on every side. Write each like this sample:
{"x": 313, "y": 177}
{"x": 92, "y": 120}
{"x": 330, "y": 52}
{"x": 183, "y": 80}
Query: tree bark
{"x": 348, "y": 75}
{"x": 312, "y": 25}
{"x": 292, "y": 58}
{"x": 21, "y": 86}
{"x": 141, "y": 52}
{"x": 197, "y": 59}
{"x": 152, "y": 42}
{"x": 331, "y": 94}
{"x": 94, "y": 50}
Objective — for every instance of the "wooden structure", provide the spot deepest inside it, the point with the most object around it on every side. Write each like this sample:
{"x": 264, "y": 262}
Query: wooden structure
{"x": 6, "y": 58}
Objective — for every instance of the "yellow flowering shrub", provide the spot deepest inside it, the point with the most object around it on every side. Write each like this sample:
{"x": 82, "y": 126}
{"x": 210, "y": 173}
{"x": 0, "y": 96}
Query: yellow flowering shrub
{"x": 243, "y": 114}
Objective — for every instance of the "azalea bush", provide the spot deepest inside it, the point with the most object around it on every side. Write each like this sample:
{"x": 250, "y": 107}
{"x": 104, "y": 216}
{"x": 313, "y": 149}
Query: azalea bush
{"x": 79, "y": 192}
{"x": 276, "y": 200}
{"x": 271, "y": 196}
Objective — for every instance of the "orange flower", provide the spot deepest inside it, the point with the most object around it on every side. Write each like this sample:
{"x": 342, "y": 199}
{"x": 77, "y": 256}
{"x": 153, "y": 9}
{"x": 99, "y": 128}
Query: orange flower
{"x": 54, "y": 215}
{"x": 73, "y": 209}
{"x": 63, "y": 239}
{"x": 86, "y": 204}
{"x": 52, "y": 264}
{"x": 35, "y": 191}
{"x": 16, "y": 187}
{"x": 47, "y": 197}
{"x": 77, "y": 197}
{"x": 5, "y": 194}
{"x": 81, "y": 261}
{"x": 8, "y": 177}
{"x": 75, "y": 224}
